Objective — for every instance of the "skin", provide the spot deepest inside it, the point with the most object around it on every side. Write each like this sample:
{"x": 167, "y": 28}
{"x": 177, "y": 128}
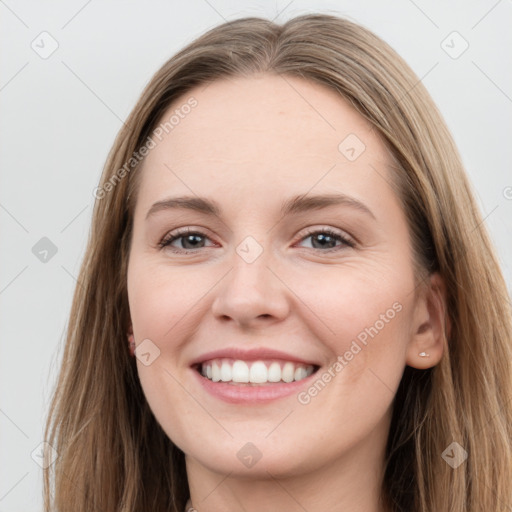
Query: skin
{"x": 249, "y": 144}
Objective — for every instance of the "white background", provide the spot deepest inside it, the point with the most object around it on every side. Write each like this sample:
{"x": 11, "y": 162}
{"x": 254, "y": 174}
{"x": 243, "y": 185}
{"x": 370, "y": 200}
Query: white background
{"x": 59, "y": 117}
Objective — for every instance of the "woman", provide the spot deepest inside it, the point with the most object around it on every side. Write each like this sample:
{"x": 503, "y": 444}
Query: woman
{"x": 285, "y": 237}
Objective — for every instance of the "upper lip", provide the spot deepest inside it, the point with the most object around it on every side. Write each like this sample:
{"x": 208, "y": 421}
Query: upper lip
{"x": 253, "y": 354}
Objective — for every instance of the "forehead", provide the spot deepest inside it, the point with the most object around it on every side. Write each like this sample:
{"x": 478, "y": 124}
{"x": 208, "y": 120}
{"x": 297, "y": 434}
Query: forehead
{"x": 265, "y": 134}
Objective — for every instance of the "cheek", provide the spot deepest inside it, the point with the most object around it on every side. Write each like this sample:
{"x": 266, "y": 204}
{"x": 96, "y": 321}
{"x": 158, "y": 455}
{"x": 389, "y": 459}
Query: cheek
{"x": 365, "y": 324}
{"x": 362, "y": 317}
{"x": 161, "y": 297}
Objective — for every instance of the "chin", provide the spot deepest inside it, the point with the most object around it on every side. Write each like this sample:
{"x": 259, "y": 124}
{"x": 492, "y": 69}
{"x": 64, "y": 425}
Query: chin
{"x": 262, "y": 459}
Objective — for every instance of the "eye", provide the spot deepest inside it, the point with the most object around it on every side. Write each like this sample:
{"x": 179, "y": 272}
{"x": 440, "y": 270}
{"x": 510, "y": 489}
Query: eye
{"x": 326, "y": 239}
{"x": 191, "y": 241}
{"x": 188, "y": 236}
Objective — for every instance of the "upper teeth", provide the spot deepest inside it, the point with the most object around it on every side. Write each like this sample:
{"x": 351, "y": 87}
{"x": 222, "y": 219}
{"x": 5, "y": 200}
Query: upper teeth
{"x": 257, "y": 372}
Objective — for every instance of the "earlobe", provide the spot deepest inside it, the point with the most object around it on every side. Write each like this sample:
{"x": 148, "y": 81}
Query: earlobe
{"x": 430, "y": 325}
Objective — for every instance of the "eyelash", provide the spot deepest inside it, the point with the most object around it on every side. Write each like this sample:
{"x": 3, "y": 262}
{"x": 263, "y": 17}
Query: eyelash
{"x": 167, "y": 240}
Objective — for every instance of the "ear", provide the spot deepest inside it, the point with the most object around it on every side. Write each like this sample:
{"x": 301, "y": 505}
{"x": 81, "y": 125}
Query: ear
{"x": 430, "y": 324}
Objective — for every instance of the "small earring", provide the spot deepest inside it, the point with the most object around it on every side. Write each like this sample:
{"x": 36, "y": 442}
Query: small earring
{"x": 424, "y": 354}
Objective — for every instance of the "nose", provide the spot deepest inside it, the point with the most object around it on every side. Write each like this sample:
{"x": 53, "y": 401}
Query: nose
{"x": 252, "y": 294}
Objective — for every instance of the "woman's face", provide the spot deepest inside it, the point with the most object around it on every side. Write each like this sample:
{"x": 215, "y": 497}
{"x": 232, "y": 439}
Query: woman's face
{"x": 268, "y": 287}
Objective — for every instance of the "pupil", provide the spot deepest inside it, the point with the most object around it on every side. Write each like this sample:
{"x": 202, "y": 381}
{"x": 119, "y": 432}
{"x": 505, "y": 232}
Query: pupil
{"x": 323, "y": 238}
{"x": 188, "y": 239}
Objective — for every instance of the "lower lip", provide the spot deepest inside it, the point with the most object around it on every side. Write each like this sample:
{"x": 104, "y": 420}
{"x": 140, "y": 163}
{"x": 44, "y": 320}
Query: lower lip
{"x": 250, "y": 394}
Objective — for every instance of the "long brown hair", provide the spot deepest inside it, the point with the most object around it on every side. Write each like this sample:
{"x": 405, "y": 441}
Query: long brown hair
{"x": 112, "y": 453}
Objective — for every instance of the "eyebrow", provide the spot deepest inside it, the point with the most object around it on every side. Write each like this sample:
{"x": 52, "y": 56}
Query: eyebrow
{"x": 294, "y": 205}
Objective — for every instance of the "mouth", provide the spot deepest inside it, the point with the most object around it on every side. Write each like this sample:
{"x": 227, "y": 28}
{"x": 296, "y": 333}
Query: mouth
{"x": 262, "y": 372}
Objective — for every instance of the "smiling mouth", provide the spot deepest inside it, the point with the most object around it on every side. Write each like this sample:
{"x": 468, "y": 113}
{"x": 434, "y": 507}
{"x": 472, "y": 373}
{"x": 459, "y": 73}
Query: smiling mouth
{"x": 261, "y": 372}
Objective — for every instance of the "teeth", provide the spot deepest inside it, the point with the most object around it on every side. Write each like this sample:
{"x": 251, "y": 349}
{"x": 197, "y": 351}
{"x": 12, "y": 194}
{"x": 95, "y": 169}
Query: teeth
{"x": 225, "y": 372}
{"x": 288, "y": 372}
{"x": 300, "y": 373}
{"x": 257, "y": 372}
{"x": 240, "y": 372}
{"x": 274, "y": 372}
{"x": 215, "y": 372}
